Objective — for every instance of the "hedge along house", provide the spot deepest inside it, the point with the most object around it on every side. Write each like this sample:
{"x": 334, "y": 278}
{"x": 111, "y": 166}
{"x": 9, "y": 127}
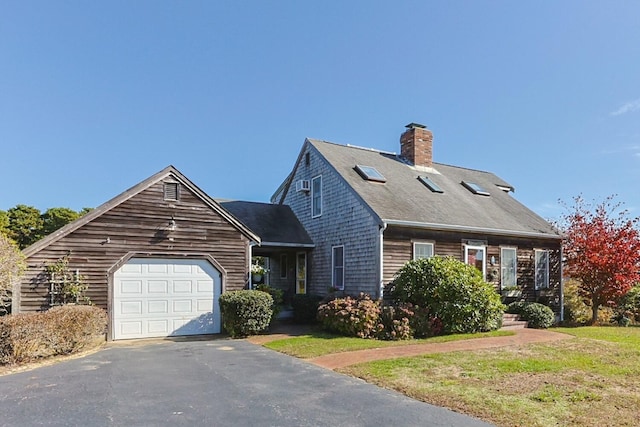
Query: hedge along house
{"x": 369, "y": 212}
{"x": 157, "y": 257}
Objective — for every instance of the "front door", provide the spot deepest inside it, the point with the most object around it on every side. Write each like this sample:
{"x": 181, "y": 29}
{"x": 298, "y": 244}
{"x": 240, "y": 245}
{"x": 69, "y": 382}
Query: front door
{"x": 301, "y": 273}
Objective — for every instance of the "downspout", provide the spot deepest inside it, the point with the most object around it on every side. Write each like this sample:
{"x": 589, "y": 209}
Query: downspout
{"x": 383, "y": 227}
{"x": 251, "y": 245}
{"x": 561, "y": 284}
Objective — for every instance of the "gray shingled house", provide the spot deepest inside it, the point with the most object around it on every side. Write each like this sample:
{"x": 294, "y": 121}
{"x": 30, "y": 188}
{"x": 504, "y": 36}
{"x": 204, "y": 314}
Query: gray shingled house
{"x": 368, "y": 212}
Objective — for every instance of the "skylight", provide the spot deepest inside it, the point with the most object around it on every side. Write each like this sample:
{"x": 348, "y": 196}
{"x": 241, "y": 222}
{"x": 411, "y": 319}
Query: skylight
{"x": 430, "y": 184}
{"x": 475, "y": 188}
{"x": 370, "y": 173}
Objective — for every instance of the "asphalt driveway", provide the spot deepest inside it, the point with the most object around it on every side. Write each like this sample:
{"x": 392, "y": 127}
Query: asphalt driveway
{"x": 198, "y": 383}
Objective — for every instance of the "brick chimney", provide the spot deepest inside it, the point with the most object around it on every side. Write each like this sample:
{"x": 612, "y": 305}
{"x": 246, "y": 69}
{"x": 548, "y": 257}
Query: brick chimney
{"x": 416, "y": 145}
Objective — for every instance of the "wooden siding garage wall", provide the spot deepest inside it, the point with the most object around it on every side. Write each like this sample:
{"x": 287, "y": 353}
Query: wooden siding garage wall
{"x": 140, "y": 225}
{"x": 398, "y": 249}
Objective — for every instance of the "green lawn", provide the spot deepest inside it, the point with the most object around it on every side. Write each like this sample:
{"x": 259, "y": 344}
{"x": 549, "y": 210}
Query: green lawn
{"x": 320, "y": 343}
{"x": 593, "y": 380}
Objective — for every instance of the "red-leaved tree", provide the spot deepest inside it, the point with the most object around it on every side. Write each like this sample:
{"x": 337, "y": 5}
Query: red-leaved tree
{"x": 602, "y": 250}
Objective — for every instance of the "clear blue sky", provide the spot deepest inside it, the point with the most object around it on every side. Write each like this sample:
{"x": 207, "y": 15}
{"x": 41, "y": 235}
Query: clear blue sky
{"x": 97, "y": 96}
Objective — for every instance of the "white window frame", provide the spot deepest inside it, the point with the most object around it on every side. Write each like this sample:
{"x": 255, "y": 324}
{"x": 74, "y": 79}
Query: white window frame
{"x": 315, "y": 214}
{"x": 538, "y": 253}
{"x": 423, "y": 243}
{"x": 484, "y": 257}
{"x": 503, "y": 266}
{"x": 334, "y": 268}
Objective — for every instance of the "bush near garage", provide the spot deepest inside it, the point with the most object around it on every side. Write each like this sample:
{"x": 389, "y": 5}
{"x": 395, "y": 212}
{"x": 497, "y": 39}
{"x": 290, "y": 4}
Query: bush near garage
{"x": 278, "y": 299}
{"x": 451, "y": 291}
{"x": 61, "y": 330}
{"x": 245, "y": 312}
{"x": 536, "y": 315}
{"x": 305, "y": 307}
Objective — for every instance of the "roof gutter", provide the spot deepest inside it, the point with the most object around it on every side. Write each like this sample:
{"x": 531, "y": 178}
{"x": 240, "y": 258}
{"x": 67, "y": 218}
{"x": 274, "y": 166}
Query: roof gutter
{"x": 288, "y": 245}
{"x": 468, "y": 229}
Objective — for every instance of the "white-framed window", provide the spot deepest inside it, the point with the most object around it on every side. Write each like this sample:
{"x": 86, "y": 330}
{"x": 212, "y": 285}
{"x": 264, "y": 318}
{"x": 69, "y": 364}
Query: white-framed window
{"x": 283, "y": 266}
{"x": 337, "y": 267}
{"x": 316, "y": 196}
{"x": 508, "y": 267}
{"x": 476, "y": 256}
{"x": 542, "y": 268}
{"x": 422, "y": 250}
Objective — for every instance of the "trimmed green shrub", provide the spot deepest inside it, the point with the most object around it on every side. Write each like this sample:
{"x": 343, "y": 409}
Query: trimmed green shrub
{"x": 517, "y": 307}
{"x": 61, "y": 330}
{"x": 356, "y": 317}
{"x": 278, "y": 299}
{"x": 536, "y": 315}
{"x": 305, "y": 307}
{"x": 245, "y": 312}
{"x": 452, "y": 292}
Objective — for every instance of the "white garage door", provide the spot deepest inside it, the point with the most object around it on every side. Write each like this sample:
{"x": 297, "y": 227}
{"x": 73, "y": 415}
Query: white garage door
{"x": 165, "y": 297}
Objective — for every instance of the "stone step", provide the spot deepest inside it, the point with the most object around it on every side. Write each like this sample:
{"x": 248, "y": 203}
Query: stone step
{"x": 517, "y": 324}
{"x": 512, "y": 321}
{"x": 509, "y": 316}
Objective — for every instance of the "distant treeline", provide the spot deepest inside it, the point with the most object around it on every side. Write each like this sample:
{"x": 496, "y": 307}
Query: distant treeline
{"x": 26, "y": 224}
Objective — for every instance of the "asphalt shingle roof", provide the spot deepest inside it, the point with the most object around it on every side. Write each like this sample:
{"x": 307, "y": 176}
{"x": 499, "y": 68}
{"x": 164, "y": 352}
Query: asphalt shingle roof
{"x": 273, "y": 223}
{"x": 404, "y": 198}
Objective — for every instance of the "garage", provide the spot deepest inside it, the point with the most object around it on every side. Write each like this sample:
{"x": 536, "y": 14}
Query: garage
{"x": 159, "y": 297}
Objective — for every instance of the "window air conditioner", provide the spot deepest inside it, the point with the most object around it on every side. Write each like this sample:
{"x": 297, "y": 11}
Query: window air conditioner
{"x": 303, "y": 185}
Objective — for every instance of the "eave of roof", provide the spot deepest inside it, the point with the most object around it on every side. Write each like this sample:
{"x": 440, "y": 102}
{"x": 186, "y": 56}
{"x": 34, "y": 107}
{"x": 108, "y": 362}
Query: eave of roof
{"x": 467, "y": 229}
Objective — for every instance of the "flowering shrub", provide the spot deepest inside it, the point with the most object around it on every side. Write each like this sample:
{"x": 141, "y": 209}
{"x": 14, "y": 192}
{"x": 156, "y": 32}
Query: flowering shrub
{"x": 365, "y": 318}
{"x": 394, "y": 323}
{"x": 351, "y": 316}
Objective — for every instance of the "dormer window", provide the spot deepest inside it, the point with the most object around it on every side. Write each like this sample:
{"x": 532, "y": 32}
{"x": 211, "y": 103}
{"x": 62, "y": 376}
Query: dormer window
{"x": 171, "y": 191}
{"x": 475, "y": 188}
{"x": 370, "y": 173}
{"x": 430, "y": 184}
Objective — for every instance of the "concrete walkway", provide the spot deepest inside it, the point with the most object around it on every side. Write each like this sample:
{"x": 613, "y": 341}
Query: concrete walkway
{"x": 340, "y": 360}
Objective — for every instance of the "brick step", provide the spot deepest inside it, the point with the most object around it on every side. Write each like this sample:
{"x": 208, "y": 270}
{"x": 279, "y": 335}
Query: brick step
{"x": 509, "y": 316}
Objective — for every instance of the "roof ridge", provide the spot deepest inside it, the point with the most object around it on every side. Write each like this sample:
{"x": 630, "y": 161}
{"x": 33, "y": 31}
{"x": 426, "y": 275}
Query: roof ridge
{"x": 464, "y": 167}
{"x": 358, "y": 147}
